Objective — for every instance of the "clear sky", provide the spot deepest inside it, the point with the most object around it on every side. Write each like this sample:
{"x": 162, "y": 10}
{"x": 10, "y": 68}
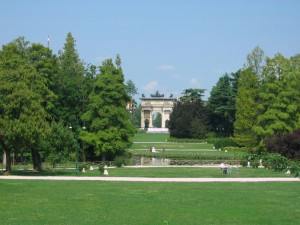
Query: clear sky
{"x": 165, "y": 45}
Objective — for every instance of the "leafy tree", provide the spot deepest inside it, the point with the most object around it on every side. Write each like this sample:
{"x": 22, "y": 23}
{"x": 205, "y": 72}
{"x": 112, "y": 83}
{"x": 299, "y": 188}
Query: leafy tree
{"x": 192, "y": 95}
{"x": 279, "y": 104}
{"x": 25, "y": 98}
{"x": 221, "y": 104}
{"x": 246, "y": 104}
{"x": 135, "y": 112}
{"x": 110, "y": 130}
{"x": 157, "y": 120}
{"x": 131, "y": 89}
{"x": 255, "y": 61}
{"x": 136, "y": 116}
{"x": 70, "y": 89}
{"x": 58, "y": 144}
{"x": 188, "y": 120}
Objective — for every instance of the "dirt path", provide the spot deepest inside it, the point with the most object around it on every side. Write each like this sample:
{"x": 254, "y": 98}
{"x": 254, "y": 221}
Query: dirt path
{"x": 144, "y": 179}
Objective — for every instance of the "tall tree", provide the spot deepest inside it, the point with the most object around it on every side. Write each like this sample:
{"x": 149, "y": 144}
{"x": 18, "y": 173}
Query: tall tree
{"x": 188, "y": 120}
{"x": 255, "y": 61}
{"x": 24, "y": 100}
{"x": 279, "y": 105}
{"x": 221, "y": 104}
{"x": 246, "y": 108}
{"x": 189, "y": 117}
{"x": 132, "y": 104}
{"x": 109, "y": 128}
{"x": 70, "y": 84}
{"x": 192, "y": 95}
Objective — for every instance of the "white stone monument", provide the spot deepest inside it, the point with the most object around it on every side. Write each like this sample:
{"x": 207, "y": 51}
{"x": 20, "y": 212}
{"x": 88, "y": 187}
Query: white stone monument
{"x": 105, "y": 170}
{"x": 260, "y": 164}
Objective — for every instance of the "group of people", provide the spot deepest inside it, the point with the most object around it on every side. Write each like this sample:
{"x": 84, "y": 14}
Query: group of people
{"x": 225, "y": 169}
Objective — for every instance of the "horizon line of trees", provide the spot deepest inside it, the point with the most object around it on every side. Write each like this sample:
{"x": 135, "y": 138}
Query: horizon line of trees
{"x": 55, "y": 107}
{"x": 255, "y": 105}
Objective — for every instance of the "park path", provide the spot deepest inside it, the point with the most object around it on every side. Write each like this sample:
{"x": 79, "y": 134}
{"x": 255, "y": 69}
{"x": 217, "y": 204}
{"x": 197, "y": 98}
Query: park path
{"x": 149, "y": 179}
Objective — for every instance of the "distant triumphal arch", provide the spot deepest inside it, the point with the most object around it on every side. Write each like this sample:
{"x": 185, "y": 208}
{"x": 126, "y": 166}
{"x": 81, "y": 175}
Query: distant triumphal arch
{"x": 156, "y": 103}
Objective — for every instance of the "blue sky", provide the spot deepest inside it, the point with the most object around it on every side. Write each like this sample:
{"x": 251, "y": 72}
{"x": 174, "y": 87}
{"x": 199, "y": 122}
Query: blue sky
{"x": 165, "y": 45}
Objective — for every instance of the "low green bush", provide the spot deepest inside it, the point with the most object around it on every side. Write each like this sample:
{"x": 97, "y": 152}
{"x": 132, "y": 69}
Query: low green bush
{"x": 101, "y": 169}
{"x": 294, "y": 167}
{"x": 275, "y": 161}
{"x": 224, "y": 142}
{"x": 244, "y": 163}
{"x": 120, "y": 161}
{"x": 255, "y": 164}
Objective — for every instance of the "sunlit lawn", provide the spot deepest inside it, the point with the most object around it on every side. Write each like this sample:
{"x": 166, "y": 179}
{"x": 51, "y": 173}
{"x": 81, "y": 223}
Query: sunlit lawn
{"x": 165, "y": 172}
{"x": 151, "y": 137}
{"x": 171, "y": 146}
{"x": 96, "y": 202}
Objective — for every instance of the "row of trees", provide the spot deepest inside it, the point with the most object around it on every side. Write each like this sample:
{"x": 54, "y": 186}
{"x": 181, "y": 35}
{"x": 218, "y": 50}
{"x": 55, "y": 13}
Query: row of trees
{"x": 43, "y": 95}
{"x": 252, "y": 105}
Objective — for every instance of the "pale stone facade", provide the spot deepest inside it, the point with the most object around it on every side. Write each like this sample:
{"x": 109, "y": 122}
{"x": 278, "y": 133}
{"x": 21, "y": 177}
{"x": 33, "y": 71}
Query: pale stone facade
{"x": 156, "y": 104}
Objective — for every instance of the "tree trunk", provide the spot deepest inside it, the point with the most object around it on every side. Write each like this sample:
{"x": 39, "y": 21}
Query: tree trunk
{"x": 103, "y": 157}
{"x": 83, "y": 153}
{"x": 8, "y": 161}
{"x": 36, "y": 160}
{"x": 83, "y": 156}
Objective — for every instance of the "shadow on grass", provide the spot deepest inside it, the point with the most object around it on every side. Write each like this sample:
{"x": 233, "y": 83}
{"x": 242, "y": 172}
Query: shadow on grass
{"x": 43, "y": 173}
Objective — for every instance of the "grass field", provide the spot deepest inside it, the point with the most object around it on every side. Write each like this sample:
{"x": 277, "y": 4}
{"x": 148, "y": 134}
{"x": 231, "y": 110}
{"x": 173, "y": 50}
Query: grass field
{"x": 94, "y": 202}
{"x": 172, "y": 146}
{"x": 151, "y": 137}
{"x": 38, "y": 202}
{"x": 191, "y": 172}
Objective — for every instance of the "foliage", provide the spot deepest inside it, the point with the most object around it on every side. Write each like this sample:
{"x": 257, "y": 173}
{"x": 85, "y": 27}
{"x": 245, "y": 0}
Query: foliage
{"x": 224, "y": 142}
{"x": 188, "y": 120}
{"x": 204, "y": 155}
{"x": 246, "y": 114}
{"x": 120, "y": 161}
{"x": 58, "y": 144}
{"x": 255, "y": 164}
{"x": 287, "y": 145}
{"x": 279, "y": 100}
{"x": 294, "y": 167}
{"x": 157, "y": 120}
{"x": 221, "y": 104}
{"x": 73, "y": 85}
{"x": 101, "y": 169}
{"x": 25, "y": 97}
{"x": 275, "y": 161}
{"x": 255, "y": 61}
{"x": 192, "y": 95}
{"x": 110, "y": 130}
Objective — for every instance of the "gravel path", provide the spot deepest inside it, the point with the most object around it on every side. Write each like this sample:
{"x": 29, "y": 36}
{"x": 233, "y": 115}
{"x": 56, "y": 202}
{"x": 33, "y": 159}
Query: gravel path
{"x": 144, "y": 179}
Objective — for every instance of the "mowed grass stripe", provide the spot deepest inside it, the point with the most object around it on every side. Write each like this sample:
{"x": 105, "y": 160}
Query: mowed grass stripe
{"x": 80, "y": 202}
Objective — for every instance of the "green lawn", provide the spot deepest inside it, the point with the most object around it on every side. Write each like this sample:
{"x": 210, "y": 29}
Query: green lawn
{"x": 96, "y": 202}
{"x": 151, "y": 137}
{"x": 168, "y": 146}
{"x": 166, "y": 172}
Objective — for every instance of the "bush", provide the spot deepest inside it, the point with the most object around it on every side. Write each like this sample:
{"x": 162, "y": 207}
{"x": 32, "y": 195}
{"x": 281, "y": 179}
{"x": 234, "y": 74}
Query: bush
{"x": 83, "y": 165}
{"x": 120, "y": 161}
{"x": 244, "y": 163}
{"x": 101, "y": 169}
{"x": 224, "y": 142}
{"x": 276, "y": 161}
{"x": 255, "y": 164}
{"x": 287, "y": 145}
{"x": 295, "y": 168}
